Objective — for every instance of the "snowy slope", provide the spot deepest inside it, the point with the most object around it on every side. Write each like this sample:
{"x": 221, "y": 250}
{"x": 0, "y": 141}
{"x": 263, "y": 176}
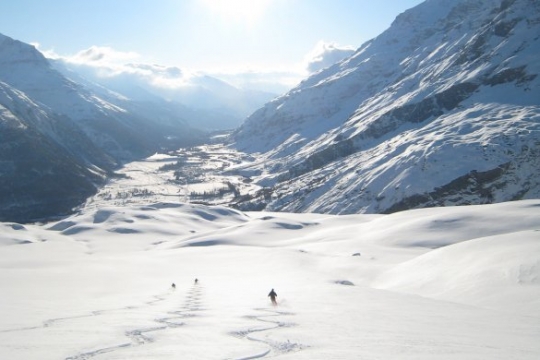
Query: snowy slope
{"x": 26, "y": 69}
{"x": 442, "y": 108}
{"x": 447, "y": 283}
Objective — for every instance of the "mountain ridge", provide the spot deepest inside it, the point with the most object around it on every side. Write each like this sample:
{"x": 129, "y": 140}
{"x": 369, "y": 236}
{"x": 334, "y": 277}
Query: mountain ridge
{"x": 439, "y": 96}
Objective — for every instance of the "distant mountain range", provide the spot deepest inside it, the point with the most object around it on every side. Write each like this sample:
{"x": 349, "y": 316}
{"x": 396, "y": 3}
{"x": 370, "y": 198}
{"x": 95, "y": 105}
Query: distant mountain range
{"x": 205, "y": 102}
{"x": 443, "y": 108}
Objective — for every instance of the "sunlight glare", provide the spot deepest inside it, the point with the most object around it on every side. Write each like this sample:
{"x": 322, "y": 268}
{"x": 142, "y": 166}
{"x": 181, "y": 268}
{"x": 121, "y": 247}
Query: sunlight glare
{"x": 238, "y": 10}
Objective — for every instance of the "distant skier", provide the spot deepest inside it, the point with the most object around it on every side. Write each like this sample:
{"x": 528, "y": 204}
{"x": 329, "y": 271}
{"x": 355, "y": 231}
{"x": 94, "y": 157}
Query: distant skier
{"x": 196, "y": 281}
{"x": 273, "y": 297}
{"x": 173, "y": 286}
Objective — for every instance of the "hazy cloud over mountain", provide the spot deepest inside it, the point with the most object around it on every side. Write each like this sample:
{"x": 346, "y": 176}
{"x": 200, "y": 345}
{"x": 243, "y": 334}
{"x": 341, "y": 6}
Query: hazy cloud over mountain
{"x": 325, "y": 55}
{"x": 96, "y": 55}
{"x": 106, "y": 62}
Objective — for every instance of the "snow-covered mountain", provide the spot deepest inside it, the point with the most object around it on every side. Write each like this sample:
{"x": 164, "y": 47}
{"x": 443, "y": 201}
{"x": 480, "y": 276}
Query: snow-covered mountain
{"x": 442, "y": 108}
{"x": 205, "y": 102}
{"x": 47, "y": 164}
{"x": 59, "y": 138}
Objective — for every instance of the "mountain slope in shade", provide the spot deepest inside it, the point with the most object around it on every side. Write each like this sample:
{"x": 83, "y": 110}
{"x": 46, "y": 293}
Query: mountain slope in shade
{"x": 442, "y": 108}
{"x": 47, "y": 165}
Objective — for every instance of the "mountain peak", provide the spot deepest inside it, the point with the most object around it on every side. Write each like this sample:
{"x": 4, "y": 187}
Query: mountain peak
{"x": 15, "y": 51}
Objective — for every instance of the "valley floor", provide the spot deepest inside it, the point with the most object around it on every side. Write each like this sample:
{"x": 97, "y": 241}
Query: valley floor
{"x": 206, "y": 174}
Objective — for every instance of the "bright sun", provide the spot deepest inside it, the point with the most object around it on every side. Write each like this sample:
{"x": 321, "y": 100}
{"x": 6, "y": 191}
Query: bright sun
{"x": 238, "y": 10}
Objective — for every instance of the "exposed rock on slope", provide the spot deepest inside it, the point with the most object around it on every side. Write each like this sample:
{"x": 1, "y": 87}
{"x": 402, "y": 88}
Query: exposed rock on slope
{"x": 443, "y": 108}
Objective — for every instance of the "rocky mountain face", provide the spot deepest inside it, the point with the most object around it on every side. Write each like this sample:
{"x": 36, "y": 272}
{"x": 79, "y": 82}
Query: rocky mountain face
{"x": 441, "y": 109}
{"x": 60, "y": 140}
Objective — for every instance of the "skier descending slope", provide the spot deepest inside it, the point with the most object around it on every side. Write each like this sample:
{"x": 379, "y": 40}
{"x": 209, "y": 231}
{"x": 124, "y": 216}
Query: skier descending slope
{"x": 273, "y": 296}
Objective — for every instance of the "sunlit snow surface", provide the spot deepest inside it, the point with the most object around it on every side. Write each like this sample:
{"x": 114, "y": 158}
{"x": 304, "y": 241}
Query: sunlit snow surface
{"x": 448, "y": 283}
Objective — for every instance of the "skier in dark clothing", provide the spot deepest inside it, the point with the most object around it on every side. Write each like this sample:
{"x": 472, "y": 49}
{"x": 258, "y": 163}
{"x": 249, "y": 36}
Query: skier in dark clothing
{"x": 273, "y": 296}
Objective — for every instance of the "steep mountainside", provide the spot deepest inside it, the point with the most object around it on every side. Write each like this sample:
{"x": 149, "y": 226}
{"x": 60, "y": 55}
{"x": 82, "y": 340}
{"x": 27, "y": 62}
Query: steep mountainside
{"x": 443, "y": 108}
{"x": 43, "y": 166}
{"x": 59, "y": 139}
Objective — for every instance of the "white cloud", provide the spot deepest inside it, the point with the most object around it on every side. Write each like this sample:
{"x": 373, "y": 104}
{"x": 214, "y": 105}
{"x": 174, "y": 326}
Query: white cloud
{"x": 49, "y": 54}
{"x": 326, "y": 54}
{"x": 106, "y": 62}
{"x": 102, "y": 55}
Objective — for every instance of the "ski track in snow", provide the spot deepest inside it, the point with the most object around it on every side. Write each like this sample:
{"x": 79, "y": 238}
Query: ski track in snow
{"x": 51, "y": 322}
{"x": 275, "y": 348}
{"x": 192, "y": 305}
{"x": 139, "y": 336}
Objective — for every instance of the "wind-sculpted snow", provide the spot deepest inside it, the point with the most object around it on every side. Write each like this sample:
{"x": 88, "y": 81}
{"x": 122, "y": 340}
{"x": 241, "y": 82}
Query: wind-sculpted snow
{"x": 249, "y": 232}
{"x": 441, "y": 109}
{"x": 470, "y": 271}
{"x": 429, "y": 283}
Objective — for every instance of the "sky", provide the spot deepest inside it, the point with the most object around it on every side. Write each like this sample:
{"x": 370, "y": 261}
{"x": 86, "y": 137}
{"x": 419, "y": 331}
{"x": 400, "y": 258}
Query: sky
{"x": 280, "y": 38}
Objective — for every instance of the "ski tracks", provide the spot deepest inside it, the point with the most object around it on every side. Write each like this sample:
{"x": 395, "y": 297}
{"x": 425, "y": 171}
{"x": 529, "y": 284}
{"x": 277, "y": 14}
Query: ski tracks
{"x": 269, "y": 319}
{"x": 272, "y": 320}
{"x": 142, "y": 336}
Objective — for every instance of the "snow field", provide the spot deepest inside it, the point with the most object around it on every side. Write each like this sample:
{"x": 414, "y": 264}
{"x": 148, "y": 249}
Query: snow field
{"x": 441, "y": 283}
